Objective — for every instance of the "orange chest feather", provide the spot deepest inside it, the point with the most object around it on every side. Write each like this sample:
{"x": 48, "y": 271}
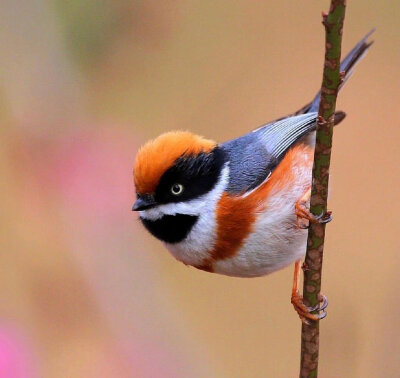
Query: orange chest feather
{"x": 236, "y": 215}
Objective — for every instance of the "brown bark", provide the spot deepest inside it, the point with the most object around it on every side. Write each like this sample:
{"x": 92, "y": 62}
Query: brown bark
{"x": 333, "y": 23}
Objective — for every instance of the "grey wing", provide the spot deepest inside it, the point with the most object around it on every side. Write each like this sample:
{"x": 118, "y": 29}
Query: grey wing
{"x": 254, "y": 156}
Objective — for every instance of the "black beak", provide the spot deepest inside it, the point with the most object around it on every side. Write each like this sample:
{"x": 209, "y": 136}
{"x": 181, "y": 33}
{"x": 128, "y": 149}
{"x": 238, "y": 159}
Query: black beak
{"x": 144, "y": 202}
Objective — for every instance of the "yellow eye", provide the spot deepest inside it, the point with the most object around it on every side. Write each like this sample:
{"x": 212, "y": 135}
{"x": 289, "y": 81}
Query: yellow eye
{"x": 177, "y": 189}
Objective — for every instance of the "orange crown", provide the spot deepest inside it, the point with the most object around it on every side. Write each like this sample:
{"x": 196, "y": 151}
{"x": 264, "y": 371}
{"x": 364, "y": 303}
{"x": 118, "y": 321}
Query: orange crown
{"x": 159, "y": 154}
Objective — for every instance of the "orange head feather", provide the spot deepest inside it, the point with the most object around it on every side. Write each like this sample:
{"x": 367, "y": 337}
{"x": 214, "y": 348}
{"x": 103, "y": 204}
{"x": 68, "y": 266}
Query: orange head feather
{"x": 159, "y": 154}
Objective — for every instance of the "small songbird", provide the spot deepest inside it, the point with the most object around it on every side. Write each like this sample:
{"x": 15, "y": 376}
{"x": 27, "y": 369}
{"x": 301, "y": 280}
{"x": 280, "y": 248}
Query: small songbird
{"x": 237, "y": 208}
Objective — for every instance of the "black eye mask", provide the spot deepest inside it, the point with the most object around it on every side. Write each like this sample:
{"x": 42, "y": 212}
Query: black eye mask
{"x": 197, "y": 173}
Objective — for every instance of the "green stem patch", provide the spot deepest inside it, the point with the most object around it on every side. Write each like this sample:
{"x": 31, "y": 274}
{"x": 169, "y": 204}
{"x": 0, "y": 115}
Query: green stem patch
{"x": 333, "y": 23}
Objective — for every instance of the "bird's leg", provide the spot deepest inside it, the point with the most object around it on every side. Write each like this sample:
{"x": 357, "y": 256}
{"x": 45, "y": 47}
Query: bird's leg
{"x": 302, "y": 210}
{"x": 305, "y": 313}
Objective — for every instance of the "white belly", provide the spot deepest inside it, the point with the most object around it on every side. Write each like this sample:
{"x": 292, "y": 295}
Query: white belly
{"x": 275, "y": 244}
{"x": 276, "y": 241}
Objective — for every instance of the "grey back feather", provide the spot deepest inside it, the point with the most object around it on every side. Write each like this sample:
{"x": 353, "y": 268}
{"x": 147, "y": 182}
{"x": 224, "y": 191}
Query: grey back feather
{"x": 254, "y": 156}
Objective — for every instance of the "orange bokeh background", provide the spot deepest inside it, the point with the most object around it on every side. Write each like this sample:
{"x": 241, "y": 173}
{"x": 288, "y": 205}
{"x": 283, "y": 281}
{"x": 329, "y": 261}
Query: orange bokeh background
{"x": 84, "y": 290}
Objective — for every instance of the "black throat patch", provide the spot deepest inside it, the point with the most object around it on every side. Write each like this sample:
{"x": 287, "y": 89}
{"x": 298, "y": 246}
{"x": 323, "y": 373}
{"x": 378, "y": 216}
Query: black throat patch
{"x": 170, "y": 228}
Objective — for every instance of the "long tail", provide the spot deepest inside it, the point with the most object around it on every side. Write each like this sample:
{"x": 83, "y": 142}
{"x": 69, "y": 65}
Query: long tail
{"x": 347, "y": 66}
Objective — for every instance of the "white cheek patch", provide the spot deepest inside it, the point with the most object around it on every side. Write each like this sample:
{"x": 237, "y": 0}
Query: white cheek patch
{"x": 192, "y": 207}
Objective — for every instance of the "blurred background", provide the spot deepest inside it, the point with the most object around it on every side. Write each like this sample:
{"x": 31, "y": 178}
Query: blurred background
{"x": 84, "y": 290}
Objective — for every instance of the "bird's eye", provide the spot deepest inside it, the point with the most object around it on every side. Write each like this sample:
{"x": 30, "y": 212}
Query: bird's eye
{"x": 177, "y": 189}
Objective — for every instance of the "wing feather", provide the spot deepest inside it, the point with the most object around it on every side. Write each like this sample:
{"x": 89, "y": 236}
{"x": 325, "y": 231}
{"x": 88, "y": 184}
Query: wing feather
{"x": 254, "y": 156}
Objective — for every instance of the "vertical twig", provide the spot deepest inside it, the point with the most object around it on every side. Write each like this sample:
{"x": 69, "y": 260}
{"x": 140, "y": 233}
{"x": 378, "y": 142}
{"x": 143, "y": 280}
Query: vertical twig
{"x": 333, "y": 22}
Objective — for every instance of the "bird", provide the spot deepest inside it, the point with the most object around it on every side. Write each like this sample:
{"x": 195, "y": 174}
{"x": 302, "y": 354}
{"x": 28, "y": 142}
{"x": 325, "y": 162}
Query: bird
{"x": 238, "y": 208}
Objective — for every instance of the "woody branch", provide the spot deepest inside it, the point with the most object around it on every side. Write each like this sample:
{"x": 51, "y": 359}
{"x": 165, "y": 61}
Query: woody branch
{"x": 333, "y": 23}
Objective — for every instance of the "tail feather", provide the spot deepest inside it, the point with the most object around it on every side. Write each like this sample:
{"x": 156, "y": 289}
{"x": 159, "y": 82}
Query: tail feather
{"x": 347, "y": 66}
{"x": 354, "y": 56}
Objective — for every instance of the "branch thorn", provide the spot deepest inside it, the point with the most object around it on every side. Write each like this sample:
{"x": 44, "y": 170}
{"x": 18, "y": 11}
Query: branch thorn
{"x": 321, "y": 121}
{"x": 305, "y": 266}
{"x": 324, "y": 18}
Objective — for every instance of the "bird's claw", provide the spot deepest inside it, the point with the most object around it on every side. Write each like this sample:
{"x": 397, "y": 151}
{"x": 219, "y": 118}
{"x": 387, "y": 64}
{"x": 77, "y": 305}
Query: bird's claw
{"x": 304, "y": 214}
{"x": 322, "y": 305}
{"x": 322, "y": 218}
{"x": 305, "y": 313}
{"x": 302, "y": 210}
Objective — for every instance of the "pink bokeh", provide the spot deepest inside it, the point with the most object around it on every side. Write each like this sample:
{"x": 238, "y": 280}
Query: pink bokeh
{"x": 16, "y": 356}
{"x": 94, "y": 172}
{"x": 89, "y": 171}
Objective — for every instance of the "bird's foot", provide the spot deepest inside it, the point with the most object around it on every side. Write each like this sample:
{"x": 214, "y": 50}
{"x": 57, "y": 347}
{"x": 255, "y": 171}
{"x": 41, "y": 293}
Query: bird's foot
{"x": 305, "y": 313}
{"x": 304, "y": 217}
